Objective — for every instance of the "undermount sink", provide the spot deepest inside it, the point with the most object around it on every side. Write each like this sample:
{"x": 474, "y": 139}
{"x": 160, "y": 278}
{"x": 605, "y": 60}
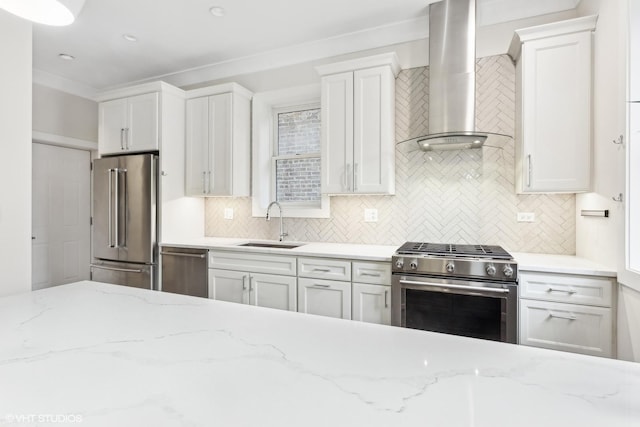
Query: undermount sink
{"x": 279, "y": 245}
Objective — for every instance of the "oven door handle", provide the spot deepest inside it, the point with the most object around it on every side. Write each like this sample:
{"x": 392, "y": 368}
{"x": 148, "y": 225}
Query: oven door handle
{"x": 458, "y": 287}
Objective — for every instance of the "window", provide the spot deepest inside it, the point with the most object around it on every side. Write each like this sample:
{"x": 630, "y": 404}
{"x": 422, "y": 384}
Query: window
{"x": 286, "y": 152}
{"x": 296, "y": 157}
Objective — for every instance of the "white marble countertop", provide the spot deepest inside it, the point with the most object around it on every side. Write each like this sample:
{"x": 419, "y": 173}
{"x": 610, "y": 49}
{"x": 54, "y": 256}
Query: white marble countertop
{"x": 526, "y": 261}
{"x": 561, "y": 264}
{"x": 116, "y": 356}
{"x": 316, "y": 249}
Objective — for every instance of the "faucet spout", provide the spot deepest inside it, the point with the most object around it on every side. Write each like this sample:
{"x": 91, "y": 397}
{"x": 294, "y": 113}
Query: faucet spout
{"x": 268, "y": 217}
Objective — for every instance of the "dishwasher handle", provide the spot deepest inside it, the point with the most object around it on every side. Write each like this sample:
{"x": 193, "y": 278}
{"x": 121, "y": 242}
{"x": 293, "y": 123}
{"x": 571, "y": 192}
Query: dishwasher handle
{"x": 182, "y": 254}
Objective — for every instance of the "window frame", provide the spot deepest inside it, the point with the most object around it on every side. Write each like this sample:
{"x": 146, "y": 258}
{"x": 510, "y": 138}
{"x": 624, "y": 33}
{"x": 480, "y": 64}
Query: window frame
{"x": 265, "y": 106}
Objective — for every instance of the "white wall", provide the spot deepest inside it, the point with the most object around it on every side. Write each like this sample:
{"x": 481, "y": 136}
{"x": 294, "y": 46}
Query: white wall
{"x": 15, "y": 142}
{"x": 60, "y": 113}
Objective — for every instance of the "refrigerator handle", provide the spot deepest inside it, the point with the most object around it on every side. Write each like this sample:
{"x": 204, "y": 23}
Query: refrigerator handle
{"x": 125, "y": 200}
{"x": 110, "y": 208}
{"x": 117, "y": 208}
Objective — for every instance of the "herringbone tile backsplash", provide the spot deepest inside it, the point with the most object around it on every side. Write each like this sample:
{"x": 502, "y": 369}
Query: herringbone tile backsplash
{"x": 464, "y": 196}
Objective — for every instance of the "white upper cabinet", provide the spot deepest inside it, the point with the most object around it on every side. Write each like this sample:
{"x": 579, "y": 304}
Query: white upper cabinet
{"x": 129, "y": 124}
{"x": 553, "y": 106}
{"x": 218, "y": 141}
{"x": 358, "y": 125}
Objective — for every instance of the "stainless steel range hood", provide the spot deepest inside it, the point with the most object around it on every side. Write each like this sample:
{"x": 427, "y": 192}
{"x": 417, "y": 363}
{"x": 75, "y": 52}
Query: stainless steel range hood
{"x": 452, "y": 78}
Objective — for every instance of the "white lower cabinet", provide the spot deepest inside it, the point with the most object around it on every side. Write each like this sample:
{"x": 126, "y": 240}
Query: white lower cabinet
{"x": 324, "y": 297}
{"x": 243, "y": 278}
{"x": 567, "y": 312}
{"x": 262, "y": 290}
{"x": 371, "y": 303}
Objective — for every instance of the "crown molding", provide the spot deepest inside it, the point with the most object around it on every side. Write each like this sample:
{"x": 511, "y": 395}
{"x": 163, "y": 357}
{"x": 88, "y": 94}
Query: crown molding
{"x": 53, "y": 81}
{"x": 398, "y": 32}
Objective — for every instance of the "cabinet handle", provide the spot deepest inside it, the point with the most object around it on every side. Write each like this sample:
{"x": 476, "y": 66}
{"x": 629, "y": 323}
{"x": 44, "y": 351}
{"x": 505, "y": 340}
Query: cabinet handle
{"x": 568, "y": 291}
{"x": 349, "y": 178}
{"x": 370, "y": 274}
{"x": 322, "y": 270}
{"x": 209, "y": 182}
{"x": 250, "y": 283}
{"x": 204, "y": 182}
{"x": 122, "y": 138}
{"x": 386, "y": 304}
{"x": 529, "y": 170}
{"x": 559, "y": 316}
{"x": 355, "y": 177}
{"x": 317, "y": 285}
{"x": 244, "y": 285}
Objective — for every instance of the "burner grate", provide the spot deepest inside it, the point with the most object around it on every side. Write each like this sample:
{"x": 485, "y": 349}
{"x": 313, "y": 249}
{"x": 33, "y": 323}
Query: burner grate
{"x": 444, "y": 249}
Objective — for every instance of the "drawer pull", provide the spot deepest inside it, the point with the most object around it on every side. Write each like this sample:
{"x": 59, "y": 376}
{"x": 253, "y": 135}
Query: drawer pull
{"x": 559, "y": 316}
{"x": 315, "y": 285}
{"x": 567, "y": 291}
{"x": 322, "y": 270}
{"x": 370, "y": 274}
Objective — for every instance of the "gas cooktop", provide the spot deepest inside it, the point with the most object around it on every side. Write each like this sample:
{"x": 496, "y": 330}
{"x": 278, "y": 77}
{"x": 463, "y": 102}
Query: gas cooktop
{"x": 449, "y": 250}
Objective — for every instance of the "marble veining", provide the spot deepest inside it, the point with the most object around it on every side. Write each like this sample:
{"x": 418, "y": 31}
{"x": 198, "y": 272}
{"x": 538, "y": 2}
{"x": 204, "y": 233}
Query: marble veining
{"x": 118, "y": 356}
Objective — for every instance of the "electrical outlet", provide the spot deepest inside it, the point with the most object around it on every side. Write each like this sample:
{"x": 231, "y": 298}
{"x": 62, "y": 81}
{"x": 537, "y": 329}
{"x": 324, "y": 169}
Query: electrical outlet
{"x": 228, "y": 213}
{"x": 526, "y": 217}
{"x": 371, "y": 215}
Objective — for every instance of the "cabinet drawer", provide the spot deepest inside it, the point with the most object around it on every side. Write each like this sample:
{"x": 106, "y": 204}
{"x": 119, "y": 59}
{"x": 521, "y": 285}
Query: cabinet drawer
{"x": 322, "y": 268}
{"x": 376, "y": 273}
{"x": 253, "y": 263}
{"x": 567, "y": 327}
{"x": 587, "y": 290}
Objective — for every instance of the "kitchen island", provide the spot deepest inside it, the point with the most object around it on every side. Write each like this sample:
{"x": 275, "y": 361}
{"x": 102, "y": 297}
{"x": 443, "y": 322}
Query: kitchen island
{"x": 109, "y": 355}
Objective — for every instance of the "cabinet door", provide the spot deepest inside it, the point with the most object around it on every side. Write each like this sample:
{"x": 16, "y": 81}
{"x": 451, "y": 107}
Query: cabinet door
{"x": 337, "y": 133}
{"x": 373, "y": 131}
{"x": 268, "y": 290}
{"x": 556, "y": 117}
{"x": 142, "y": 131}
{"x": 324, "y": 297}
{"x": 567, "y": 327}
{"x": 227, "y": 285}
{"x": 197, "y": 146}
{"x": 220, "y": 140}
{"x": 372, "y": 303}
{"x": 112, "y": 125}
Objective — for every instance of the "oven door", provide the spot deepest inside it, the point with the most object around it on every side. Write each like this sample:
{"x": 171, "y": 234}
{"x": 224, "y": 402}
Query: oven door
{"x": 460, "y": 307}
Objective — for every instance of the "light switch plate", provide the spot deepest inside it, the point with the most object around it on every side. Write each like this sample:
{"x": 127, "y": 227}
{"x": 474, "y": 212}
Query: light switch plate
{"x": 526, "y": 217}
{"x": 371, "y": 215}
{"x": 228, "y": 213}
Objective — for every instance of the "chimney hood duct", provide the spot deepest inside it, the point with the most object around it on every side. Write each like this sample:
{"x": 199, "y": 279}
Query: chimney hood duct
{"x": 452, "y": 78}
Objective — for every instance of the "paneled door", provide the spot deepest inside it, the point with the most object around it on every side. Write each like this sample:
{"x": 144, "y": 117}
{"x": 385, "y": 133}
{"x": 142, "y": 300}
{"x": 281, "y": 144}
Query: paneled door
{"x": 61, "y": 215}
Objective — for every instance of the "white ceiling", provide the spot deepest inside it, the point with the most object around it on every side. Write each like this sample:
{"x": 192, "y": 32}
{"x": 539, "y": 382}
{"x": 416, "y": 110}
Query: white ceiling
{"x": 181, "y": 37}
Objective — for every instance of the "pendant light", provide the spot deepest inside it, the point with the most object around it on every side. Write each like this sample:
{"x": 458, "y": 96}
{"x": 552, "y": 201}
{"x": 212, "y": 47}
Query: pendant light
{"x": 48, "y": 12}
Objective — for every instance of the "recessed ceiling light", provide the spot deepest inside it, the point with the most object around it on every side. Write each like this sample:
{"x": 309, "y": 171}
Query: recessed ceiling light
{"x": 130, "y": 37}
{"x": 217, "y": 11}
{"x": 66, "y": 57}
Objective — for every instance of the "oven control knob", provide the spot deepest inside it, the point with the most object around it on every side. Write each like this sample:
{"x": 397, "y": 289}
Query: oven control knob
{"x": 414, "y": 264}
{"x": 491, "y": 270}
{"x": 399, "y": 264}
{"x": 508, "y": 271}
{"x": 450, "y": 267}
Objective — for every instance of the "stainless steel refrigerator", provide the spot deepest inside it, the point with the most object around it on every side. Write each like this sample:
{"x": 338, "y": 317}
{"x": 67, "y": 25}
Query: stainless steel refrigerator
{"x": 125, "y": 220}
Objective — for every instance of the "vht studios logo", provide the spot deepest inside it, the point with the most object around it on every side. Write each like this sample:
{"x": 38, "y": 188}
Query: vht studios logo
{"x": 44, "y": 418}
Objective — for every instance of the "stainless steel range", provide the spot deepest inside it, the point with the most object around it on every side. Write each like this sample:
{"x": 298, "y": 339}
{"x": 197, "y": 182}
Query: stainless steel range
{"x": 468, "y": 290}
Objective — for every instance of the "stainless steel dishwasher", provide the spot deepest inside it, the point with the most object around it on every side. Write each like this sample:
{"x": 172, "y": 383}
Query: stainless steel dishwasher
{"x": 184, "y": 271}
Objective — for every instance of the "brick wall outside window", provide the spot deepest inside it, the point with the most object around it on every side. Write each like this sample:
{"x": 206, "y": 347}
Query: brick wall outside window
{"x": 298, "y": 180}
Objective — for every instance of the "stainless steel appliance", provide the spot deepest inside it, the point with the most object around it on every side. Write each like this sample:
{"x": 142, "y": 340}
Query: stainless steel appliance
{"x": 468, "y": 290}
{"x": 125, "y": 220}
{"x": 184, "y": 271}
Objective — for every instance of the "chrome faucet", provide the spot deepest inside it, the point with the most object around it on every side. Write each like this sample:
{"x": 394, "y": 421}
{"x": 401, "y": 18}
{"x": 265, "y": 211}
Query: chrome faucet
{"x": 282, "y": 233}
